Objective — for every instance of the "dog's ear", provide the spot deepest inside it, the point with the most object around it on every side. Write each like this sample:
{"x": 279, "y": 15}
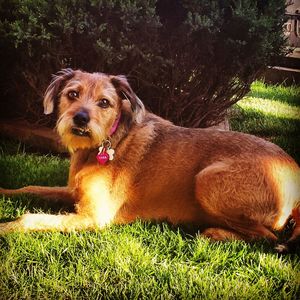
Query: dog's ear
{"x": 125, "y": 92}
{"x": 55, "y": 87}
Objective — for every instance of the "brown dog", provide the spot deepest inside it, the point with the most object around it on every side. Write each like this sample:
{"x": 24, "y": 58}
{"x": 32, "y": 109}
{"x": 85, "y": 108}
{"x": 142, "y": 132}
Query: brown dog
{"x": 235, "y": 185}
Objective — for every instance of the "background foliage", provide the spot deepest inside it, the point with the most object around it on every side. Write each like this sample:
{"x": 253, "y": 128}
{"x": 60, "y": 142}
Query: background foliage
{"x": 189, "y": 60}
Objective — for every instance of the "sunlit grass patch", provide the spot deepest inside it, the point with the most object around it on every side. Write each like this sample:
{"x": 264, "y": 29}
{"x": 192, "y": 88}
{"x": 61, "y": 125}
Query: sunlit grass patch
{"x": 282, "y": 93}
{"x": 141, "y": 261}
{"x": 271, "y": 108}
{"x": 251, "y": 120}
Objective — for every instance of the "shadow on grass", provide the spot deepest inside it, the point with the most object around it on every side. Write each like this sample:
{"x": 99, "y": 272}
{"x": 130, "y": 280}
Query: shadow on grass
{"x": 14, "y": 207}
{"x": 19, "y": 168}
{"x": 190, "y": 234}
{"x": 282, "y": 131}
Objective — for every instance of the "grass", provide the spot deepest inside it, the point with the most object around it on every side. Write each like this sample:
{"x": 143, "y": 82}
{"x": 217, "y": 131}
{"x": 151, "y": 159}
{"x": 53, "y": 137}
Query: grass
{"x": 272, "y": 112}
{"x": 143, "y": 260}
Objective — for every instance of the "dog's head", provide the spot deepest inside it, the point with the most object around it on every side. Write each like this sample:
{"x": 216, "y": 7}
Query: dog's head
{"x": 90, "y": 105}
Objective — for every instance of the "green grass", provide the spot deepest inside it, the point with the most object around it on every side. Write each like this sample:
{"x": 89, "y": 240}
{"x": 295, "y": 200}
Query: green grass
{"x": 282, "y": 93}
{"x": 143, "y": 260}
{"x": 272, "y": 112}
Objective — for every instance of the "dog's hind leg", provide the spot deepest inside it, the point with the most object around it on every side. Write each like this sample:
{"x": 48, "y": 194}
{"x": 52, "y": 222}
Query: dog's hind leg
{"x": 55, "y": 193}
{"x": 240, "y": 202}
{"x": 221, "y": 234}
{"x": 236, "y": 232}
{"x": 46, "y": 222}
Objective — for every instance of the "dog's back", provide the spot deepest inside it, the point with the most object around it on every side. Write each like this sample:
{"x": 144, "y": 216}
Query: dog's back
{"x": 210, "y": 177}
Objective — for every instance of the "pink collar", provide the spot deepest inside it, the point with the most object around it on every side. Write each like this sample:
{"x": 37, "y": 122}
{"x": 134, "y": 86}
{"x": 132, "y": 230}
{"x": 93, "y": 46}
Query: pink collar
{"x": 106, "y": 153}
{"x": 115, "y": 125}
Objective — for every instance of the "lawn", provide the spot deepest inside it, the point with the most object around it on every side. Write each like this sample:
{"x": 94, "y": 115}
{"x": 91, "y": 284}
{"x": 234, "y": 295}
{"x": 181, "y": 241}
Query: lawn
{"x": 272, "y": 112}
{"x": 144, "y": 260}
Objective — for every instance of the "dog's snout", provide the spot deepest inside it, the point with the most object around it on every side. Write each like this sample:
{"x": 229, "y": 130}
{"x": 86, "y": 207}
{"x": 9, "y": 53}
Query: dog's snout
{"x": 81, "y": 118}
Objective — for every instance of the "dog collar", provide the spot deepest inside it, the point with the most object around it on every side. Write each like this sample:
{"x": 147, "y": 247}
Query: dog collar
{"x": 105, "y": 152}
{"x": 115, "y": 125}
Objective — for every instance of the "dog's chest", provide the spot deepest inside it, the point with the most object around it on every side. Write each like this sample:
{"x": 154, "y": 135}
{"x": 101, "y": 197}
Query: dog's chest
{"x": 101, "y": 191}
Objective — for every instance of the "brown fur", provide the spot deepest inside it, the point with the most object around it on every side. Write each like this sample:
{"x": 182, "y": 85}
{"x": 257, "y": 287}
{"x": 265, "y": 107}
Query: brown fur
{"x": 235, "y": 185}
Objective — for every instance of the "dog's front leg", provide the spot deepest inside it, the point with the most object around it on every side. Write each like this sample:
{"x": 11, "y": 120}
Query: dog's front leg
{"x": 46, "y": 222}
{"x": 56, "y": 193}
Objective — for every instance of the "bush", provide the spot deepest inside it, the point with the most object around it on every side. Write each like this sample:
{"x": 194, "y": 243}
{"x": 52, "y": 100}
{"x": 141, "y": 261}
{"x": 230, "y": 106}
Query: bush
{"x": 188, "y": 60}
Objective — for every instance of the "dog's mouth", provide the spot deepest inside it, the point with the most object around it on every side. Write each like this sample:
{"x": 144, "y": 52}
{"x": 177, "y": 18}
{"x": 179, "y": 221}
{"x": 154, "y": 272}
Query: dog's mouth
{"x": 80, "y": 131}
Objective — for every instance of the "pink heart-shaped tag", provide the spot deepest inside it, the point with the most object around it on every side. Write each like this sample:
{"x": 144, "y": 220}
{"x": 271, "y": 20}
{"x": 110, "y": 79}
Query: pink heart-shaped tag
{"x": 102, "y": 158}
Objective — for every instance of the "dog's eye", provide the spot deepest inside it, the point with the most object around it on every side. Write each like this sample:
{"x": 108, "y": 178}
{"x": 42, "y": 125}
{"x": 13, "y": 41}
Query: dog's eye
{"x": 103, "y": 103}
{"x": 73, "y": 95}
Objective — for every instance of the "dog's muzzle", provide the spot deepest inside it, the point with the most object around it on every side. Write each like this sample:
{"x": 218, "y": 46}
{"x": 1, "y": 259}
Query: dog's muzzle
{"x": 81, "y": 131}
{"x": 81, "y": 120}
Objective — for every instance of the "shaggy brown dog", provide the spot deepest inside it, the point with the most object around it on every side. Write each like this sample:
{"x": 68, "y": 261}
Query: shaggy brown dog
{"x": 235, "y": 185}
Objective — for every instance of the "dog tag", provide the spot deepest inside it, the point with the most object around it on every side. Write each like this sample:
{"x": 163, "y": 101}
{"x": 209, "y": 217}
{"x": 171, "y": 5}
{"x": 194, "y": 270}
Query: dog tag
{"x": 110, "y": 153}
{"x": 105, "y": 153}
{"x": 102, "y": 158}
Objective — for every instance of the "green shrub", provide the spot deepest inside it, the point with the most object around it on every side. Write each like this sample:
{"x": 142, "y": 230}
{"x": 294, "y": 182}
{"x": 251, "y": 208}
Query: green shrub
{"x": 188, "y": 60}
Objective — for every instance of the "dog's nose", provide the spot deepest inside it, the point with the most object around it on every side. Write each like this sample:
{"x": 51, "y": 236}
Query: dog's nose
{"x": 81, "y": 118}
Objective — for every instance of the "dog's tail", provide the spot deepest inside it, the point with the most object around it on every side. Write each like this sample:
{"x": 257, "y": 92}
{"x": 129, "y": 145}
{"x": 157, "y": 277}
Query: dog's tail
{"x": 296, "y": 232}
{"x": 289, "y": 189}
{"x": 292, "y": 245}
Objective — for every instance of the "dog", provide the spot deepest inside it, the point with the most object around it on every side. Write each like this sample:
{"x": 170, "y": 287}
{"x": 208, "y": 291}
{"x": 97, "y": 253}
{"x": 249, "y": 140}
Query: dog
{"x": 129, "y": 164}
